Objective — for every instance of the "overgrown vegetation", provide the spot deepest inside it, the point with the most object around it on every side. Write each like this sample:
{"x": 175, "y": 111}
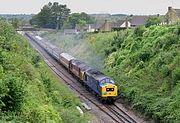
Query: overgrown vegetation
{"x": 154, "y": 20}
{"x": 145, "y": 62}
{"x": 146, "y": 65}
{"x": 29, "y": 92}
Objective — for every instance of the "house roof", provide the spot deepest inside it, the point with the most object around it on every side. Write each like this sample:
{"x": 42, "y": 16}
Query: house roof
{"x": 98, "y": 25}
{"x": 119, "y": 23}
{"x": 139, "y": 20}
{"x": 178, "y": 12}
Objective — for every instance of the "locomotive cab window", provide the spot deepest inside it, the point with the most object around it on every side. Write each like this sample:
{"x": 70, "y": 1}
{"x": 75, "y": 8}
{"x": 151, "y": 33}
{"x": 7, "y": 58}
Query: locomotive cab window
{"x": 103, "y": 82}
{"x": 109, "y": 89}
{"x": 111, "y": 81}
{"x": 107, "y": 80}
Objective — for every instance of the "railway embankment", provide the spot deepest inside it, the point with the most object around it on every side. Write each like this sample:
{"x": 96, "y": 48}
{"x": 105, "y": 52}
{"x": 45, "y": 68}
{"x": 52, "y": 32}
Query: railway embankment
{"x": 29, "y": 91}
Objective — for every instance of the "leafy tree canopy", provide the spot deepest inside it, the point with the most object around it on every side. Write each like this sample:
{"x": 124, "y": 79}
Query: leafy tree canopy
{"x": 51, "y": 15}
{"x": 154, "y": 20}
{"x": 79, "y": 19}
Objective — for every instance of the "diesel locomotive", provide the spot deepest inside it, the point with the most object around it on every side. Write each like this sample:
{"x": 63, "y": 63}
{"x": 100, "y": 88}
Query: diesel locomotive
{"x": 102, "y": 86}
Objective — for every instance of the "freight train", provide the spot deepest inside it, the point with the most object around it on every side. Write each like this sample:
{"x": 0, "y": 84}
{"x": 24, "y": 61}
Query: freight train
{"x": 102, "y": 86}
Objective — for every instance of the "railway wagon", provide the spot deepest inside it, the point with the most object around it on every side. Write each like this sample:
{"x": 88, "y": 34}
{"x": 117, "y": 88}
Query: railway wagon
{"x": 51, "y": 49}
{"x": 65, "y": 59}
{"x": 76, "y": 67}
{"x": 56, "y": 52}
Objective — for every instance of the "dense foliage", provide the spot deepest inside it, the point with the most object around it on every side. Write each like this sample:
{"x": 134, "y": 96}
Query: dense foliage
{"x": 51, "y": 15}
{"x": 29, "y": 92}
{"x": 154, "y": 20}
{"x": 78, "y": 20}
{"x": 55, "y": 15}
{"x": 146, "y": 65}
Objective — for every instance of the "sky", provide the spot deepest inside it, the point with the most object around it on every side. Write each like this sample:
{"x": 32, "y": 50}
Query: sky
{"x": 135, "y": 7}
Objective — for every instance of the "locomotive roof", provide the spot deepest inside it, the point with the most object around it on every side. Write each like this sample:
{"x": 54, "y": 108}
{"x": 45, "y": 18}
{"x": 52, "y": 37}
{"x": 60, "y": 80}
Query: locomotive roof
{"x": 84, "y": 67}
{"x": 97, "y": 75}
{"x": 94, "y": 72}
{"x": 67, "y": 56}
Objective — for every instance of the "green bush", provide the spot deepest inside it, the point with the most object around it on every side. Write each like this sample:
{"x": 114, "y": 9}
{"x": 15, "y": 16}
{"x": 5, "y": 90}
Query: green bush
{"x": 29, "y": 91}
{"x": 146, "y": 66}
{"x": 35, "y": 60}
{"x": 138, "y": 31}
{"x": 176, "y": 75}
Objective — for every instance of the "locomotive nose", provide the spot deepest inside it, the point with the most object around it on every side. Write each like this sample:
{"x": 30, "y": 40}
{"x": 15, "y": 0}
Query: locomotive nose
{"x": 109, "y": 90}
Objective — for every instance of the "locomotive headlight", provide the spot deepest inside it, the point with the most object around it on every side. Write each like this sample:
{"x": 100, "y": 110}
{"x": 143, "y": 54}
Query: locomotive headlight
{"x": 105, "y": 93}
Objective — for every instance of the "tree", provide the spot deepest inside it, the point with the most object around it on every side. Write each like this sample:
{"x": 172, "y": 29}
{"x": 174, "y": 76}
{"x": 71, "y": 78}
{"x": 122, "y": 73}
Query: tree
{"x": 60, "y": 13}
{"x": 154, "y": 20}
{"x": 79, "y": 19}
{"x": 43, "y": 18}
{"x": 52, "y": 15}
{"x": 15, "y": 23}
{"x": 73, "y": 19}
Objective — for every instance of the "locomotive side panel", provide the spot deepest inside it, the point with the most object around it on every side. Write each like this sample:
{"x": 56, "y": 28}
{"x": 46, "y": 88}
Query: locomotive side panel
{"x": 91, "y": 83}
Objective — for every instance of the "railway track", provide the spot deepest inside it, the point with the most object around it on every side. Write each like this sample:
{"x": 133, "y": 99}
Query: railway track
{"x": 113, "y": 111}
{"x": 121, "y": 114}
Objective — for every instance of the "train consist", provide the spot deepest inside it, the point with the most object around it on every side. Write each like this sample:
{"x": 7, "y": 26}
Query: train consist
{"x": 101, "y": 85}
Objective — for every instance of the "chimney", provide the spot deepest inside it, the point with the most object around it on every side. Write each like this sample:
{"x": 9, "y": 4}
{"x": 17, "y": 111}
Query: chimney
{"x": 169, "y": 8}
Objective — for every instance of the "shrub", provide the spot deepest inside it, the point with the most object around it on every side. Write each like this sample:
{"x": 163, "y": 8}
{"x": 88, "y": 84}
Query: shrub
{"x": 176, "y": 75}
{"x": 138, "y": 31}
{"x": 15, "y": 94}
{"x": 35, "y": 60}
{"x": 147, "y": 63}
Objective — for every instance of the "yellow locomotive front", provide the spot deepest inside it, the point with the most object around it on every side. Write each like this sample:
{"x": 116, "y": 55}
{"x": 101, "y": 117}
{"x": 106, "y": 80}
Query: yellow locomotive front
{"x": 108, "y": 88}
